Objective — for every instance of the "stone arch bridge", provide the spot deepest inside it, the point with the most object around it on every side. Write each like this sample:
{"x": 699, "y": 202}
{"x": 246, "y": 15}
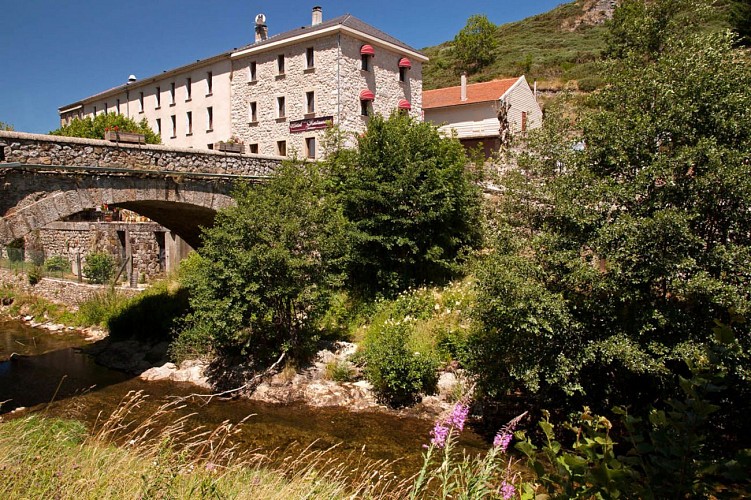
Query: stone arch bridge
{"x": 46, "y": 178}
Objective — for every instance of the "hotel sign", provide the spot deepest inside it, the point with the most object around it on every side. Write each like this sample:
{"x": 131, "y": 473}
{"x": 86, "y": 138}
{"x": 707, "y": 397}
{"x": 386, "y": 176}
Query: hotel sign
{"x": 308, "y": 124}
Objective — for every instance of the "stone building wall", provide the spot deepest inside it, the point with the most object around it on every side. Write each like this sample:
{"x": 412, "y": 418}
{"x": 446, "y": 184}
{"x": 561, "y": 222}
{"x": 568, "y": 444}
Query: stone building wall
{"x": 336, "y": 80}
{"x": 145, "y": 241}
{"x": 72, "y": 151}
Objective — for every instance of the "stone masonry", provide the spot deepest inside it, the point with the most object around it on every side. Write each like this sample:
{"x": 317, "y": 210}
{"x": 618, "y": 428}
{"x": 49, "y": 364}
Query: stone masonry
{"x": 55, "y": 150}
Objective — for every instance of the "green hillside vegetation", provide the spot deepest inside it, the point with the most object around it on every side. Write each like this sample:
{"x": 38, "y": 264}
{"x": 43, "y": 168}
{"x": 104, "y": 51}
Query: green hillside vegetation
{"x": 560, "y": 48}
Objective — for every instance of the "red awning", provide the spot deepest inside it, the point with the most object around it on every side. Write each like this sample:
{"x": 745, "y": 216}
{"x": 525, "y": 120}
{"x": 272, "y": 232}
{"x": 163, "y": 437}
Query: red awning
{"x": 366, "y": 95}
{"x": 404, "y": 63}
{"x": 404, "y": 104}
{"x": 367, "y": 50}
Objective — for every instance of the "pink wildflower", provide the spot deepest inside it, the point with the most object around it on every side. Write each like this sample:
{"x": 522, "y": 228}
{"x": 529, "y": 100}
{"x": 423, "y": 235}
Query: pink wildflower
{"x": 459, "y": 416}
{"x": 507, "y": 490}
{"x": 439, "y": 434}
{"x": 502, "y": 440}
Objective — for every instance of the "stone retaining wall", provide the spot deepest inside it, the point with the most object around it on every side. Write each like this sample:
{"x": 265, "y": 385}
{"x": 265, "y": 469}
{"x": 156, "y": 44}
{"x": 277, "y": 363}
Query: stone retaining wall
{"x": 69, "y": 293}
{"x": 72, "y": 151}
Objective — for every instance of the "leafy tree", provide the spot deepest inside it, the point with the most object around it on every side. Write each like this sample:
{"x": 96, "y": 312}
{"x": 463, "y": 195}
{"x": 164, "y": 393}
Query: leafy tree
{"x": 639, "y": 243}
{"x": 95, "y": 128}
{"x": 412, "y": 205}
{"x": 475, "y": 43}
{"x": 6, "y": 126}
{"x": 266, "y": 266}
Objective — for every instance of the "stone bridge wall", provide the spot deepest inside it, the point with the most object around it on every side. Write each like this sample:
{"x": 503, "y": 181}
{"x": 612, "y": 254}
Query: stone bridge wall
{"x": 55, "y": 150}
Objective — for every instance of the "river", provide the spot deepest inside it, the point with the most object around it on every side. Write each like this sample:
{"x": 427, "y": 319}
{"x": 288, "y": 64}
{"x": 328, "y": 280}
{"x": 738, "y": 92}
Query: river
{"x": 47, "y": 371}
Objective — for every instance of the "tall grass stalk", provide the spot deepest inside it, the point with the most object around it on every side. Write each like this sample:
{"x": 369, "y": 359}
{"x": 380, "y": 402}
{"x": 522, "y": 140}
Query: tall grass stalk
{"x": 163, "y": 456}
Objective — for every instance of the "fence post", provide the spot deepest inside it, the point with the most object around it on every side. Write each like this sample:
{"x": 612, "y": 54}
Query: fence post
{"x": 78, "y": 264}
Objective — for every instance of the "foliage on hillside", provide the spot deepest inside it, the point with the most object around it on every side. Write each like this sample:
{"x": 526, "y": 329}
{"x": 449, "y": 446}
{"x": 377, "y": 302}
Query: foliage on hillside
{"x": 557, "y": 48}
{"x": 96, "y": 127}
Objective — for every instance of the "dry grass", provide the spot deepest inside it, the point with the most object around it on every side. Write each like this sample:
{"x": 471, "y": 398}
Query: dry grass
{"x": 162, "y": 457}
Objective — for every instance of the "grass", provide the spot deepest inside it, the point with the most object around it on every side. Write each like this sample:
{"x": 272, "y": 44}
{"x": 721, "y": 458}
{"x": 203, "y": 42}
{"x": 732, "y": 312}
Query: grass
{"x": 160, "y": 457}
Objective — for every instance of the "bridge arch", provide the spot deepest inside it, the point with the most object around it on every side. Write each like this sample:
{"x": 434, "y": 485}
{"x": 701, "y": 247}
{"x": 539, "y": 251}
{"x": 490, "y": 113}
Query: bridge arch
{"x": 182, "y": 205}
{"x": 45, "y": 178}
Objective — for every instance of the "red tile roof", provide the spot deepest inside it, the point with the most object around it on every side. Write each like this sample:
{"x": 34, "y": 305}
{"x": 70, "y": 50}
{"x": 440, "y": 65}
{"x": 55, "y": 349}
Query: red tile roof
{"x": 476, "y": 92}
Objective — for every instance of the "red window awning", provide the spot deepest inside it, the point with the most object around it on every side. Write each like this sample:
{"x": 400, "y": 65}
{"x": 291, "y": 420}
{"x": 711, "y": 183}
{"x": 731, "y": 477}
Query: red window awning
{"x": 367, "y": 95}
{"x": 404, "y": 63}
{"x": 404, "y": 104}
{"x": 367, "y": 50}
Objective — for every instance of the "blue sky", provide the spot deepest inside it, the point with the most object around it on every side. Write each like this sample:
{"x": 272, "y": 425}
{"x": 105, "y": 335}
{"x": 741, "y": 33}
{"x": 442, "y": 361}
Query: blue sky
{"x": 53, "y": 53}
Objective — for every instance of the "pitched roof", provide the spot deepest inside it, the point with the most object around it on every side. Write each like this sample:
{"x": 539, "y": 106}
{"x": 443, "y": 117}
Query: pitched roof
{"x": 476, "y": 92}
{"x": 347, "y": 20}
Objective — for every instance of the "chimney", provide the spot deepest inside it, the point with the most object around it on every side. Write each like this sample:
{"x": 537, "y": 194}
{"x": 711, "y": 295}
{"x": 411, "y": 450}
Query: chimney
{"x": 464, "y": 86}
{"x": 317, "y": 16}
{"x": 262, "y": 32}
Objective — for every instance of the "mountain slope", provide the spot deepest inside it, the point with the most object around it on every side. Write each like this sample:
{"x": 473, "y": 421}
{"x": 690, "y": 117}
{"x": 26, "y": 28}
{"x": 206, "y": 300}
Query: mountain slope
{"x": 559, "y": 48}
{"x": 555, "y": 47}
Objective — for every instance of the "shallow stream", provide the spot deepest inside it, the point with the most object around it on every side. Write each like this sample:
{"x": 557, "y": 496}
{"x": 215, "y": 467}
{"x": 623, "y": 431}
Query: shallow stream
{"x": 47, "y": 372}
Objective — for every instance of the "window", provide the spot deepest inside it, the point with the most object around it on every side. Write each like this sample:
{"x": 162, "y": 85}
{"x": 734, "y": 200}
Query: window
{"x": 173, "y": 118}
{"x": 209, "y": 83}
{"x": 365, "y": 108}
{"x": 140, "y": 102}
{"x": 310, "y": 102}
{"x": 365, "y": 59}
{"x": 209, "y": 119}
{"x": 402, "y": 74}
{"x": 253, "y": 112}
{"x": 253, "y": 148}
{"x": 159, "y": 126}
{"x": 158, "y": 98}
{"x": 188, "y": 88}
{"x": 172, "y": 93}
{"x": 310, "y": 147}
{"x": 281, "y": 148}
{"x": 252, "y": 72}
{"x": 281, "y": 107}
{"x": 189, "y": 122}
{"x": 117, "y": 106}
{"x": 309, "y": 58}
{"x": 524, "y": 121}
{"x": 280, "y": 64}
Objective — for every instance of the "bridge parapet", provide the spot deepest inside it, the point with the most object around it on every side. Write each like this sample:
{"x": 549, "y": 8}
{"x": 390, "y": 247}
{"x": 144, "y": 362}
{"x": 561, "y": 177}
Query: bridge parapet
{"x": 39, "y": 149}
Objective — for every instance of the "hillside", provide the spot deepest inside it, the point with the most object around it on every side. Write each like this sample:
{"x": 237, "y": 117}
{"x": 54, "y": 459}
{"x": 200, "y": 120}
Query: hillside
{"x": 559, "y": 48}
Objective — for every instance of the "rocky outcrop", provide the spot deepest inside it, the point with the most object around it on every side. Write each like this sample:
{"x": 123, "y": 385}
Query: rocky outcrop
{"x": 593, "y": 12}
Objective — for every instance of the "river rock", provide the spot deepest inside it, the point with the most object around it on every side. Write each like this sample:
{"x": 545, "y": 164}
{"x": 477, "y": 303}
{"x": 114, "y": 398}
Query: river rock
{"x": 188, "y": 371}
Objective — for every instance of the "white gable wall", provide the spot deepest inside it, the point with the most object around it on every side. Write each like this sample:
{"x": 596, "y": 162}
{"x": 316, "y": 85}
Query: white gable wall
{"x": 481, "y": 120}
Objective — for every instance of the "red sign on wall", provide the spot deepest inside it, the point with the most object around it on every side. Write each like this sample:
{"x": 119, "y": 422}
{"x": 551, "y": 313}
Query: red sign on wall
{"x": 308, "y": 124}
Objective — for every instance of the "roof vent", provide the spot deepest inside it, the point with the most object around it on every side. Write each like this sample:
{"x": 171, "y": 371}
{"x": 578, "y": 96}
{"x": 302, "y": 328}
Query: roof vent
{"x": 262, "y": 31}
{"x": 317, "y": 16}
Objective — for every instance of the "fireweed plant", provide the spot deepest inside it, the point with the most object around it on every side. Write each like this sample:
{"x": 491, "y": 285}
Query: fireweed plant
{"x": 465, "y": 477}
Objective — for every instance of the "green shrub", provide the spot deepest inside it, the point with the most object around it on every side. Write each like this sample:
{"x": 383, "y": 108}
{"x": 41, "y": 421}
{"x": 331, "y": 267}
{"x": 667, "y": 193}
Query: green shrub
{"x": 339, "y": 371}
{"x": 99, "y": 308}
{"x": 398, "y": 372}
{"x": 35, "y": 274}
{"x": 99, "y": 267}
{"x": 152, "y": 314}
{"x": 589, "y": 84}
{"x": 56, "y": 263}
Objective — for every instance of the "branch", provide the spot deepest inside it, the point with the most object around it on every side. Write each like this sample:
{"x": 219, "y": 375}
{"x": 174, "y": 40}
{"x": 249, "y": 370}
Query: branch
{"x": 249, "y": 383}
